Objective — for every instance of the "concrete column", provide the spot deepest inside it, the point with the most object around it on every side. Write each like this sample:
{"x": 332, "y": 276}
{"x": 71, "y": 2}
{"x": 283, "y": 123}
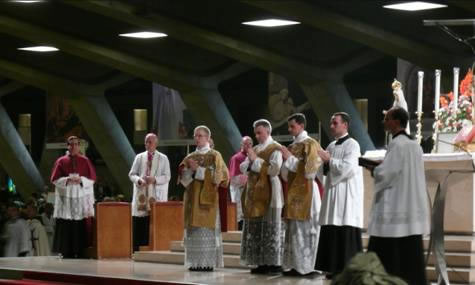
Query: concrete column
{"x": 328, "y": 97}
{"x": 108, "y": 136}
{"x": 208, "y": 106}
{"x": 16, "y": 160}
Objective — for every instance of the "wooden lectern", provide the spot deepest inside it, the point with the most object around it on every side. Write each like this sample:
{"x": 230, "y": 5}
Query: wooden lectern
{"x": 166, "y": 224}
{"x": 113, "y": 226}
{"x": 232, "y": 224}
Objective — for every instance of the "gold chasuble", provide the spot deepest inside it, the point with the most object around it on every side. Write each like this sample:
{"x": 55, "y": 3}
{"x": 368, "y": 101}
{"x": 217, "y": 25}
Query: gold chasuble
{"x": 256, "y": 197}
{"x": 201, "y": 197}
{"x": 299, "y": 194}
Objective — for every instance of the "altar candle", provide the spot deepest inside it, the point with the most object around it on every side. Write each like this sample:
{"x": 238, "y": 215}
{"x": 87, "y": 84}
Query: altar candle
{"x": 456, "y": 88}
{"x": 437, "y": 90}
{"x": 420, "y": 76}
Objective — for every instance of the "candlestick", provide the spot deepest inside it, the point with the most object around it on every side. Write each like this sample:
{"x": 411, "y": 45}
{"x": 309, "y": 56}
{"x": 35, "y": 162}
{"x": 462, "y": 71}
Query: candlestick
{"x": 435, "y": 135}
{"x": 420, "y": 76}
{"x": 456, "y": 88}
{"x": 419, "y": 127}
{"x": 437, "y": 90}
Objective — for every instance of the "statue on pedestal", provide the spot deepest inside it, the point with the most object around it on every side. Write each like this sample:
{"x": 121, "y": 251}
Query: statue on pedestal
{"x": 399, "y": 101}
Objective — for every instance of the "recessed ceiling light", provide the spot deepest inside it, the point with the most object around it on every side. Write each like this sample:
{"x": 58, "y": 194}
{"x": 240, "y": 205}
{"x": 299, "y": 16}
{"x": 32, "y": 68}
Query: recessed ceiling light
{"x": 26, "y": 1}
{"x": 271, "y": 23}
{"x": 144, "y": 35}
{"x": 415, "y": 6}
{"x": 39, "y": 49}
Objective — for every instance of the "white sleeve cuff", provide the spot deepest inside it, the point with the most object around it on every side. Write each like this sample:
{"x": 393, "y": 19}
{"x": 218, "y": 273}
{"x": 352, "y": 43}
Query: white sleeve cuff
{"x": 257, "y": 164}
{"x": 186, "y": 177}
{"x": 200, "y": 173}
{"x": 291, "y": 163}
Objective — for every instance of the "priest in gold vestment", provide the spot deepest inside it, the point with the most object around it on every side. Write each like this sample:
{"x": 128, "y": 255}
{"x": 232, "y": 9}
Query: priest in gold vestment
{"x": 262, "y": 202}
{"x": 302, "y": 204}
{"x": 202, "y": 172}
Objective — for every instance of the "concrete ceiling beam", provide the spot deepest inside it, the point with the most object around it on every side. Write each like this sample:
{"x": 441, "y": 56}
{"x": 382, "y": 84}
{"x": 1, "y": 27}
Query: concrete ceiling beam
{"x": 181, "y": 81}
{"x": 369, "y": 35}
{"x": 94, "y": 113}
{"x": 10, "y": 88}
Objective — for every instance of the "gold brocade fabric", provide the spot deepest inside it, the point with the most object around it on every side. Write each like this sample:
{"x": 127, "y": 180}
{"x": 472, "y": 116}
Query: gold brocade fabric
{"x": 257, "y": 195}
{"x": 299, "y": 194}
{"x": 201, "y": 197}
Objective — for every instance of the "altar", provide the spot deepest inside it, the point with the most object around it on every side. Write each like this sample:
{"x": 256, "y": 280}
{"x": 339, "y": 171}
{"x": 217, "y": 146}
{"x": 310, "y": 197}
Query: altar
{"x": 453, "y": 215}
{"x": 459, "y": 215}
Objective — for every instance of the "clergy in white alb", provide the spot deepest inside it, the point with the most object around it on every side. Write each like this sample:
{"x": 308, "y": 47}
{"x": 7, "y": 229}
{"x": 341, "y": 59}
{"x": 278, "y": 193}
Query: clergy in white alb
{"x": 238, "y": 179}
{"x": 341, "y": 214}
{"x": 150, "y": 174}
{"x": 262, "y": 203}
{"x": 400, "y": 209}
{"x": 73, "y": 177}
{"x": 202, "y": 172}
{"x": 302, "y": 204}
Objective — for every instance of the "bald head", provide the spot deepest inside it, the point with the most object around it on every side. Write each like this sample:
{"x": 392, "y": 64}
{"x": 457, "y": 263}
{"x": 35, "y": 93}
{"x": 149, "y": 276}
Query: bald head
{"x": 151, "y": 142}
{"x": 246, "y": 142}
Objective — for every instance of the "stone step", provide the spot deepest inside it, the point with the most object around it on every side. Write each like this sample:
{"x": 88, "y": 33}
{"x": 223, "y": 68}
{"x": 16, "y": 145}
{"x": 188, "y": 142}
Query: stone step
{"x": 230, "y": 261}
{"x": 453, "y": 243}
{"x": 232, "y": 236}
{"x": 457, "y": 259}
{"x": 456, "y": 275}
{"x": 231, "y": 248}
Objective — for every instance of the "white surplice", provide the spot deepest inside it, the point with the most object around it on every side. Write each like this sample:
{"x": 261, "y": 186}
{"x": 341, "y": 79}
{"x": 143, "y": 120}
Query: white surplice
{"x": 400, "y": 205}
{"x": 342, "y": 203}
{"x": 18, "y": 238}
{"x": 236, "y": 188}
{"x": 203, "y": 246}
{"x": 160, "y": 169}
{"x": 301, "y": 237}
{"x": 263, "y": 237}
{"x": 74, "y": 201}
{"x": 39, "y": 238}
{"x": 49, "y": 224}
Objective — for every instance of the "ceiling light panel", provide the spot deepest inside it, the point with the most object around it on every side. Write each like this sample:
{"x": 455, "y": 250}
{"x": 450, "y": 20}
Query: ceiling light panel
{"x": 144, "y": 35}
{"x": 39, "y": 48}
{"x": 269, "y": 23}
{"x": 414, "y": 6}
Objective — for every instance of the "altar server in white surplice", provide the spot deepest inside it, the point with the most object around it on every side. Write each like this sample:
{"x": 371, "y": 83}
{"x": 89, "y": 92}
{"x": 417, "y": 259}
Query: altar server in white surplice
{"x": 400, "y": 210}
{"x": 39, "y": 237}
{"x": 341, "y": 215}
{"x": 49, "y": 222}
{"x": 262, "y": 202}
{"x": 16, "y": 234}
{"x": 150, "y": 174}
{"x": 302, "y": 204}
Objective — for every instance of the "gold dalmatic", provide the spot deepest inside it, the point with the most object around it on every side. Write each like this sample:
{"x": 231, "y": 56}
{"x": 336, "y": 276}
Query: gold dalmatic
{"x": 201, "y": 197}
{"x": 299, "y": 195}
{"x": 256, "y": 197}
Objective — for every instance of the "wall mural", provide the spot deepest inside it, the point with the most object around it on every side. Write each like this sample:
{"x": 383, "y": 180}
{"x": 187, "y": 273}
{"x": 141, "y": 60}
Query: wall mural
{"x": 285, "y": 98}
{"x": 61, "y": 120}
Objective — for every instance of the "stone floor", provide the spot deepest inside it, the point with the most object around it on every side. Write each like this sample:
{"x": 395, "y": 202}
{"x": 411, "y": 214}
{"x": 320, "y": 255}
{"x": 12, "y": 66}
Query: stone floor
{"x": 128, "y": 269}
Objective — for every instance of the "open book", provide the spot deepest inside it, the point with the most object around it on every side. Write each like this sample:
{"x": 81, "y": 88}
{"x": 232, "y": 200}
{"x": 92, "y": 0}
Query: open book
{"x": 368, "y": 163}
